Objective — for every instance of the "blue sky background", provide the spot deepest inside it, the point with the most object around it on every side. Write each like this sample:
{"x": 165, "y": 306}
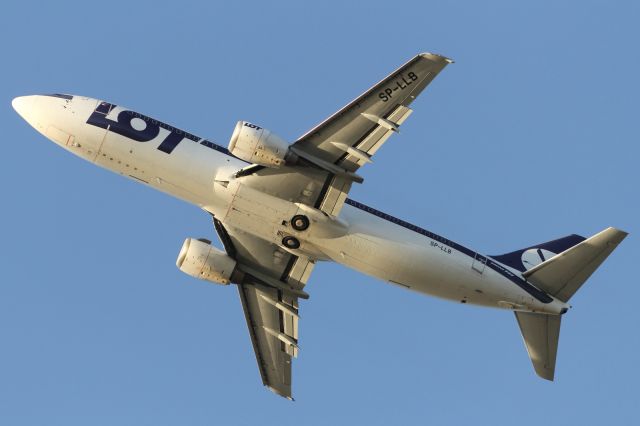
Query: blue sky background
{"x": 532, "y": 134}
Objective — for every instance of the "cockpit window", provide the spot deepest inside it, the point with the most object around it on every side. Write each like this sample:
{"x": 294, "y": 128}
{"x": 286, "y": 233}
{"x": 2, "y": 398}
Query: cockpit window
{"x": 60, "y": 95}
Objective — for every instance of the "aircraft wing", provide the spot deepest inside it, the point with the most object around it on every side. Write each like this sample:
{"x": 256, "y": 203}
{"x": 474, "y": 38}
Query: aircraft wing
{"x": 269, "y": 294}
{"x": 352, "y": 135}
{"x": 333, "y": 150}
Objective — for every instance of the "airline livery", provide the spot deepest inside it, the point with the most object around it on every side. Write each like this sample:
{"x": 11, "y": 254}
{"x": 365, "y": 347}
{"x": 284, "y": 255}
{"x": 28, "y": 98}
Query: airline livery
{"x": 280, "y": 208}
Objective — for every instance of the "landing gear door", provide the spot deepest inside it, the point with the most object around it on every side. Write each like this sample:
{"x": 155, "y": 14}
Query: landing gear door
{"x": 479, "y": 263}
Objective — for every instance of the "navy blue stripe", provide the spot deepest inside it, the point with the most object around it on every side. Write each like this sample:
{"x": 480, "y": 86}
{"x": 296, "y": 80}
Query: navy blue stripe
{"x": 218, "y": 148}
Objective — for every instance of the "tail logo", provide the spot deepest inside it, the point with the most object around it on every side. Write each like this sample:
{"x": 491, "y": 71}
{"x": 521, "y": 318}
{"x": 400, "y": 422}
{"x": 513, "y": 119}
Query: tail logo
{"x": 535, "y": 256}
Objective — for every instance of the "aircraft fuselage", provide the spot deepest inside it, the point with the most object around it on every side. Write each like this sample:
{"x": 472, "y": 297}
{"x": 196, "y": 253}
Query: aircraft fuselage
{"x": 200, "y": 172}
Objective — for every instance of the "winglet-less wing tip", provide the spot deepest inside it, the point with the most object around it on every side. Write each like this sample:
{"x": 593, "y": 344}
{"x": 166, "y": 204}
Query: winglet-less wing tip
{"x": 436, "y": 56}
{"x": 277, "y": 392}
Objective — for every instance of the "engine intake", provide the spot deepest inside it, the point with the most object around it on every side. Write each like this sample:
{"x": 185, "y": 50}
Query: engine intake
{"x": 201, "y": 260}
{"x": 257, "y": 145}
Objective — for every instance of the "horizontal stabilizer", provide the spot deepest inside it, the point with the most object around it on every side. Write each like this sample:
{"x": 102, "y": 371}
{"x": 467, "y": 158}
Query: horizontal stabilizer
{"x": 540, "y": 333}
{"x": 563, "y": 274}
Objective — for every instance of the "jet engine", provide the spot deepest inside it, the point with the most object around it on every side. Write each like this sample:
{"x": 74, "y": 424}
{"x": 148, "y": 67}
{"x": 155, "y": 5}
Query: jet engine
{"x": 201, "y": 260}
{"x": 257, "y": 145}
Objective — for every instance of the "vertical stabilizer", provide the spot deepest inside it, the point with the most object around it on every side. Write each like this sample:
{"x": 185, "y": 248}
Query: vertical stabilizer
{"x": 540, "y": 333}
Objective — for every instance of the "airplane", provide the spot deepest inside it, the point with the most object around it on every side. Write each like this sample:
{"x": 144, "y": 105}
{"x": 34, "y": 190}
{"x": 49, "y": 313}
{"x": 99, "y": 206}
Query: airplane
{"x": 279, "y": 208}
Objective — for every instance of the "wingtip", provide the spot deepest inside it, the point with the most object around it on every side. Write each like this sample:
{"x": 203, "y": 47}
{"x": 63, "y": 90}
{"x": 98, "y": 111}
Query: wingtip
{"x": 277, "y": 392}
{"x": 621, "y": 232}
{"x": 436, "y": 56}
{"x": 545, "y": 373}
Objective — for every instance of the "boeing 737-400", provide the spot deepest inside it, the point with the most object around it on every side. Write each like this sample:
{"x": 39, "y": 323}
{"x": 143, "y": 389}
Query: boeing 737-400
{"x": 281, "y": 208}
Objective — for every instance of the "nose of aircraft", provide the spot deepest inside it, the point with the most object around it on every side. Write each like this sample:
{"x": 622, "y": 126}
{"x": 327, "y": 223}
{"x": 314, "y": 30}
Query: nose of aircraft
{"x": 60, "y": 118}
{"x": 41, "y": 111}
{"x": 24, "y": 105}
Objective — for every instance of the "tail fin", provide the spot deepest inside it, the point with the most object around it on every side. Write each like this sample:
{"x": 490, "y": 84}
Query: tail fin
{"x": 540, "y": 333}
{"x": 560, "y": 275}
{"x": 529, "y": 257}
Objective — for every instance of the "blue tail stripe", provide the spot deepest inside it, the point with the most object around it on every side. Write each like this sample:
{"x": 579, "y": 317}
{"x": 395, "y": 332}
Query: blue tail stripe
{"x": 514, "y": 259}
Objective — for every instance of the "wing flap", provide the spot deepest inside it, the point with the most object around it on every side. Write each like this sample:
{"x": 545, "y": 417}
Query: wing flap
{"x": 264, "y": 321}
{"x": 385, "y": 127}
{"x": 335, "y": 195}
{"x": 371, "y": 145}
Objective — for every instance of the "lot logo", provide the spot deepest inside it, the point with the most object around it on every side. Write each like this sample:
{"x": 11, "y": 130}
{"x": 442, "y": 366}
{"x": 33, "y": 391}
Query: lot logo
{"x": 535, "y": 256}
{"x": 138, "y": 127}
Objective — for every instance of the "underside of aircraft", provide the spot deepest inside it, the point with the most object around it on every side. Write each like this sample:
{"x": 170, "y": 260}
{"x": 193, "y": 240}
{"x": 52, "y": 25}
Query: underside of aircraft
{"x": 280, "y": 208}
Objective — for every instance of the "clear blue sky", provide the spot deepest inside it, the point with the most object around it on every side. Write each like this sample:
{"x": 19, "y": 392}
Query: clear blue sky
{"x": 532, "y": 134}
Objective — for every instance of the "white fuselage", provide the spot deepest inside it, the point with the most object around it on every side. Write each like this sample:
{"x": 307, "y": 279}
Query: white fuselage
{"x": 188, "y": 168}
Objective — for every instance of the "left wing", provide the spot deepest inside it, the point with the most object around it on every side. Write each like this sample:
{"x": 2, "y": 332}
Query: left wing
{"x": 352, "y": 135}
{"x": 273, "y": 282}
{"x": 336, "y": 148}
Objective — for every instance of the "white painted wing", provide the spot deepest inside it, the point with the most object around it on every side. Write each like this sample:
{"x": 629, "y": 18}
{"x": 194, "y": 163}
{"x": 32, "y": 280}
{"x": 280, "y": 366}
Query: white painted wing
{"x": 269, "y": 293}
{"x": 347, "y": 140}
{"x": 350, "y": 137}
{"x": 354, "y": 133}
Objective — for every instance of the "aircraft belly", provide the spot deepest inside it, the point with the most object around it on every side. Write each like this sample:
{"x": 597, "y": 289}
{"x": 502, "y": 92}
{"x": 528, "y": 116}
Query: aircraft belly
{"x": 257, "y": 213}
{"x": 372, "y": 245}
{"x": 114, "y": 155}
{"x": 400, "y": 256}
{"x": 189, "y": 172}
{"x": 367, "y": 254}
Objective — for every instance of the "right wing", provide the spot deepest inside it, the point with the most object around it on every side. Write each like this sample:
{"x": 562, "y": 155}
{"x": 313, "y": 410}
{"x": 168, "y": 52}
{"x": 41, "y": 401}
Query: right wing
{"x": 274, "y": 334}
{"x": 273, "y": 282}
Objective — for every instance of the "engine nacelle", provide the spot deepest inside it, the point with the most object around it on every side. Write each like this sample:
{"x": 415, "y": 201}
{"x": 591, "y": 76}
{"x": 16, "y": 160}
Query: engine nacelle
{"x": 257, "y": 145}
{"x": 201, "y": 260}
